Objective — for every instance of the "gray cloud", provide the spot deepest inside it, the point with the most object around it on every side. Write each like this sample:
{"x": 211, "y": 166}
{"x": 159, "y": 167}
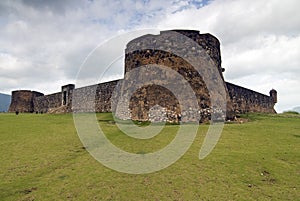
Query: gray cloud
{"x": 55, "y": 6}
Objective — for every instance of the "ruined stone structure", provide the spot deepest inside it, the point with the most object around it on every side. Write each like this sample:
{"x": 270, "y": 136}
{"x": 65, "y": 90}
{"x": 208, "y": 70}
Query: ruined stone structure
{"x": 23, "y": 100}
{"x": 153, "y": 100}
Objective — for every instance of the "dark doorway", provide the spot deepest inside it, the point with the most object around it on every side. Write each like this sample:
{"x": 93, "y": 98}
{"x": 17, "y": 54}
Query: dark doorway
{"x": 64, "y": 98}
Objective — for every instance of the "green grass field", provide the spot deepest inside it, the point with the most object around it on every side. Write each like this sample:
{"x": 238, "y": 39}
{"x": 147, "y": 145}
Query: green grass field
{"x": 42, "y": 158}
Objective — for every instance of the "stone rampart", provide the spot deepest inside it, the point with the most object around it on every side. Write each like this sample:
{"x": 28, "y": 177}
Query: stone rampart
{"x": 245, "y": 100}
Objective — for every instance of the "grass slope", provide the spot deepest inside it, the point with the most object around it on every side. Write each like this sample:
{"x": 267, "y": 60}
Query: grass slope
{"x": 297, "y": 109}
{"x": 42, "y": 158}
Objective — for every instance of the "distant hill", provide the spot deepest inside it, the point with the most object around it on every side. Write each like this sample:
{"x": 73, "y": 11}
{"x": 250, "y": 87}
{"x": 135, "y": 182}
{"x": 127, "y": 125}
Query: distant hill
{"x": 4, "y": 102}
{"x": 297, "y": 109}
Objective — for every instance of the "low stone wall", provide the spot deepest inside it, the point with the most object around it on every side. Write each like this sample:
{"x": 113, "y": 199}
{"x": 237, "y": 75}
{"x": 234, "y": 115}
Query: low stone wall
{"x": 245, "y": 100}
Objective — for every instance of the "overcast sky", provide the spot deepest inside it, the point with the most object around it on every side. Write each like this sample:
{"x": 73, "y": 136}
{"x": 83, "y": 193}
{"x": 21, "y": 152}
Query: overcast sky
{"x": 43, "y": 43}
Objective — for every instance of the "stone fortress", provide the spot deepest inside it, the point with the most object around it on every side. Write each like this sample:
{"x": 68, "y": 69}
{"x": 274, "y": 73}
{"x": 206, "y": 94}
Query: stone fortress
{"x": 97, "y": 98}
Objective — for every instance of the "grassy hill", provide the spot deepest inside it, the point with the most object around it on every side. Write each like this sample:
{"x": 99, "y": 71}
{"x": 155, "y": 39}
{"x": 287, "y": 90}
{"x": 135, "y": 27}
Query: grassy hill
{"x": 42, "y": 158}
{"x": 4, "y": 102}
{"x": 297, "y": 109}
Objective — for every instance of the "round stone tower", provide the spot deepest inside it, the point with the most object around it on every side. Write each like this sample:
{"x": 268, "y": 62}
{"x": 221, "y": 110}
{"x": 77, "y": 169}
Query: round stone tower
{"x": 153, "y": 49}
{"x": 22, "y": 101}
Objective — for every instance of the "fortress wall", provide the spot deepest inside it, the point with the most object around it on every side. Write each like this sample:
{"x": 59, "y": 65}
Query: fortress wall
{"x": 84, "y": 99}
{"x": 149, "y": 96}
{"x": 245, "y": 100}
{"x": 154, "y": 102}
{"x": 103, "y": 96}
{"x": 94, "y": 98}
{"x": 44, "y": 103}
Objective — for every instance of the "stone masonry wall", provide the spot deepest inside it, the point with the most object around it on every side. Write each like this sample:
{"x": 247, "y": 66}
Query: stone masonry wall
{"x": 137, "y": 54}
{"x": 153, "y": 101}
{"x": 245, "y": 100}
{"x": 97, "y": 98}
{"x": 43, "y": 104}
{"x": 22, "y": 100}
{"x": 94, "y": 98}
{"x": 208, "y": 42}
{"x": 149, "y": 96}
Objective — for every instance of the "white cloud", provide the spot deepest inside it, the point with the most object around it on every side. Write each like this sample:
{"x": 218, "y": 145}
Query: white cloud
{"x": 268, "y": 55}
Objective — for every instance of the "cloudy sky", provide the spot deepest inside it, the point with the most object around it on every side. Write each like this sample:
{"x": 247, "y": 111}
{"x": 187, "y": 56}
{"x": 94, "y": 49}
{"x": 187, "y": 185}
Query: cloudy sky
{"x": 44, "y": 43}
